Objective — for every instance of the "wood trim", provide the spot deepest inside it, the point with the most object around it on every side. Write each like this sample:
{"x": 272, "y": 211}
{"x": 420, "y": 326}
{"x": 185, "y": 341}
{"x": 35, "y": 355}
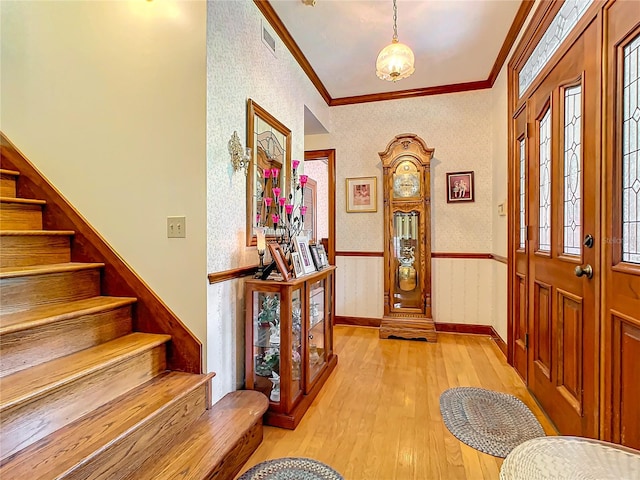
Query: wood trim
{"x": 500, "y": 258}
{"x": 412, "y": 93}
{"x": 358, "y": 321}
{"x": 151, "y": 314}
{"x": 276, "y": 23}
{"x": 330, "y": 155}
{"x": 499, "y": 341}
{"x": 234, "y": 273}
{"x": 359, "y": 254}
{"x": 274, "y": 20}
{"x": 473, "y": 329}
{"x": 485, "y": 256}
{"x": 516, "y": 26}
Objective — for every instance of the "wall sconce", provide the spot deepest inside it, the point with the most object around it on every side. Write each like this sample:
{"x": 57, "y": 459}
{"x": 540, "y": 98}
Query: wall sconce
{"x": 261, "y": 245}
{"x": 240, "y": 157}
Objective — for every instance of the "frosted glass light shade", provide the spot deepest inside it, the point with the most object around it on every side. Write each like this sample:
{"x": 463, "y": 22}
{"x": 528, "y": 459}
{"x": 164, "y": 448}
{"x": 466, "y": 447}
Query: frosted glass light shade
{"x": 395, "y": 62}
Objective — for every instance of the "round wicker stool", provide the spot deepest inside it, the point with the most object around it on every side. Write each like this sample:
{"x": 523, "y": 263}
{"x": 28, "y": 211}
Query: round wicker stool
{"x": 570, "y": 458}
{"x": 291, "y": 468}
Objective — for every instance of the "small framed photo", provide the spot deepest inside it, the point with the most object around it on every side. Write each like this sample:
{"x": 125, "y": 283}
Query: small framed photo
{"x": 316, "y": 257}
{"x": 460, "y": 187}
{"x": 302, "y": 247}
{"x": 298, "y": 269}
{"x": 361, "y": 194}
{"x": 277, "y": 254}
{"x": 323, "y": 255}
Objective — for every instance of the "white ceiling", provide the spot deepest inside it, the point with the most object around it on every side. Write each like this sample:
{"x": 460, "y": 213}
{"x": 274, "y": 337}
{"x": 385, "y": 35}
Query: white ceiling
{"x": 454, "y": 41}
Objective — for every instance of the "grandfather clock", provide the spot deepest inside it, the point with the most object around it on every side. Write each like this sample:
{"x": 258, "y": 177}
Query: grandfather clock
{"x": 406, "y": 185}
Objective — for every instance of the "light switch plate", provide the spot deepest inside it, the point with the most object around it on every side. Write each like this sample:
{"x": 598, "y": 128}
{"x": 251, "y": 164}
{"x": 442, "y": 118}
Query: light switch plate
{"x": 176, "y": 227}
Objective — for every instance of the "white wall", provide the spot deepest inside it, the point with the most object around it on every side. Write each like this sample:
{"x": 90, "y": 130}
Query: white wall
{"x": 107, "y": 99}
{"x": 240, "y": 67}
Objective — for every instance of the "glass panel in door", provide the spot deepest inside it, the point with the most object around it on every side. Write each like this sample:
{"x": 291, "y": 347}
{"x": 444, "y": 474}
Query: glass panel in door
{"x": 266, "y": 344}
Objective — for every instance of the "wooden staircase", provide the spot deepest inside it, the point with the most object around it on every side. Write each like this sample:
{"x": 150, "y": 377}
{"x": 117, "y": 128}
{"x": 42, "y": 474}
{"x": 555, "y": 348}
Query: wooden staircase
{"x": 83, "y": 395}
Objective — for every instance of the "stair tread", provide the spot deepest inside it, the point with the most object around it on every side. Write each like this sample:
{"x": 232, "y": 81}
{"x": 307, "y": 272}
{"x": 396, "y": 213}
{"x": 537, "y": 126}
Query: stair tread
{"x": 35, "y": 233}
{"x": 40, "y": 379}
{"x": 10, "y": 272}
{"x": 72, "y": 445}
{"x": 194, "y": 453}
{"x": 45, "y": 314}
{"x": 26, "y": 201}
{"x": 4, "y": 171}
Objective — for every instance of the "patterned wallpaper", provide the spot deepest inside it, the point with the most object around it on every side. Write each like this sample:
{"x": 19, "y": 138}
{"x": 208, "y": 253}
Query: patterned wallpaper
{"x": 239, "y": 67}
{"x": 319, "y": 171}
{"x": 456, "y": 126}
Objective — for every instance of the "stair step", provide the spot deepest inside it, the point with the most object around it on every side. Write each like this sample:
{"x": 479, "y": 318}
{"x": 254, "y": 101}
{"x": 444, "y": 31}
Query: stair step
{"x": 8, "y": 182}
{"x": 20, "y": 213}
{"x": 37, "y": 401}
{"x": 34, "y": 247}
{"x": 29, "y": 286}
{"x": 47, "y": 332}
{"x": 130, "y": 426}
{"x": 216, "y": 445}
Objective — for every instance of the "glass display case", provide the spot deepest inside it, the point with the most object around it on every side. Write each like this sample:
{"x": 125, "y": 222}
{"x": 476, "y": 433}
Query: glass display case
{"x": 289, "y": 342}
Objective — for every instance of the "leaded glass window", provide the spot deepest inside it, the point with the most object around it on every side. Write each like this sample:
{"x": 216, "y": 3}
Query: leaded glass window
{"x": 544, "y": 223}
{"x": 631, "y": 154}
{"x": 523, "y": 179}
{"x": 559, "y": 29}
{"x": 572, "y": 170}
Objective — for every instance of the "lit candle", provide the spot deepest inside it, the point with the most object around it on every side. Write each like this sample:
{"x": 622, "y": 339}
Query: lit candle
{"x": 303, "y": 179}
{"x": 261, "y": 243}
{"x": 276, "y": 193}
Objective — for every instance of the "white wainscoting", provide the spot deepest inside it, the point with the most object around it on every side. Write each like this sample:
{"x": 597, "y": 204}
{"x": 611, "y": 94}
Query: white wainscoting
{"x": 463, "y": 290}
{"x": 225, "y": 336}
{"x": 359, "y": 287}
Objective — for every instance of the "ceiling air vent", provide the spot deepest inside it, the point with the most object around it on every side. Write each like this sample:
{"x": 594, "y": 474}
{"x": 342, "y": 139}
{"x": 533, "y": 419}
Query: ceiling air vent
{"x": 268, "y": 39}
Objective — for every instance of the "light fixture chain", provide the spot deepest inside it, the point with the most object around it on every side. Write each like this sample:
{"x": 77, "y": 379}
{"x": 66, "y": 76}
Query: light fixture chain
{"x": 395, "y": 20}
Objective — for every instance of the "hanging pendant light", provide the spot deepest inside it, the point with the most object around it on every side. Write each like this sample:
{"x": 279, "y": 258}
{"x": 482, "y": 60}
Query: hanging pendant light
{"x": 395, "y": 61}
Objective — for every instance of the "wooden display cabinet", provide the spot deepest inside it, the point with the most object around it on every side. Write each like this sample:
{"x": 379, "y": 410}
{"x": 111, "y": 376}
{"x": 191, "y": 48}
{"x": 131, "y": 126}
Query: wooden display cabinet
{"x": 406, "y": 184}
{"x": 289, "y": 342}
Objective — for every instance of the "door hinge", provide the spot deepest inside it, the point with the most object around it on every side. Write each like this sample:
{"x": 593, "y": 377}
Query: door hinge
{"x": 526, "y": 341}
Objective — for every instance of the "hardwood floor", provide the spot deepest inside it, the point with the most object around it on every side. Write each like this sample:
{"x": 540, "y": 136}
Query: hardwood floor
{"x": 378, "y": 415}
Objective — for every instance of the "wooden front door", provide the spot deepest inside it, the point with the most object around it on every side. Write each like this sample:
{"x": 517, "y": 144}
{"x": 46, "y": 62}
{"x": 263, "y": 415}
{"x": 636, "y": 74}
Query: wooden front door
{"x": 621, "y": 332}
{"x": 563, "y": 138}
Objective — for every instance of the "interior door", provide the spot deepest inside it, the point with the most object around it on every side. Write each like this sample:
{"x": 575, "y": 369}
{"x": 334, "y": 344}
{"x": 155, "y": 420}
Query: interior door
{"x": 621, "y": 332}
{"x": 563, "y": 247}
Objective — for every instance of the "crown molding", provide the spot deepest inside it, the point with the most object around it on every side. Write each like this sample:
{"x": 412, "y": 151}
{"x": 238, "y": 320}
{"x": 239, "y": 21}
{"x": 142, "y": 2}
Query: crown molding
{"x": 276, "y": 23}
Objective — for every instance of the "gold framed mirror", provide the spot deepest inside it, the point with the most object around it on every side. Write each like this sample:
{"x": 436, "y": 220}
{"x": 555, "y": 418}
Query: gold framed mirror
{"x": 270, "y": 143}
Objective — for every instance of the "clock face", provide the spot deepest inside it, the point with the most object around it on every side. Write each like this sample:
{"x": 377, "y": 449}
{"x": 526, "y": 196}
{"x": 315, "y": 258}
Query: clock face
{"x": 406, "y": 185}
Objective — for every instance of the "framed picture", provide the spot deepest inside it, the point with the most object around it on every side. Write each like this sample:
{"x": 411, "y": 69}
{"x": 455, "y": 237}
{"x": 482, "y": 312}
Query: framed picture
{"x": 298, "y": 270}
{"x": 281, "y": 262}
{"x": 460, "y": 187}
{"x": 302, "y": 247}
{"x": 361, "y": 194}
{"x": 316, "y": 257}
{"x": 323, "y": 255}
